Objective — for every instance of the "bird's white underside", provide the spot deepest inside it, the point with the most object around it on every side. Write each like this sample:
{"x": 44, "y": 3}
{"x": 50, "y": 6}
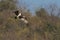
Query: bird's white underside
{"x": 19, "y": 15}
{"x": 24, "y": 20}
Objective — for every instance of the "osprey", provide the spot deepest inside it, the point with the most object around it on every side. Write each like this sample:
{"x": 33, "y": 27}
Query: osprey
{"x": 20, "y": 16}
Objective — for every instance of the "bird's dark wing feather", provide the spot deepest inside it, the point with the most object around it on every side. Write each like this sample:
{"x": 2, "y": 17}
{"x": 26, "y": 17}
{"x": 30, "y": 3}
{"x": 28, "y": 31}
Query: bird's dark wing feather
{"x": 16, "y": 12}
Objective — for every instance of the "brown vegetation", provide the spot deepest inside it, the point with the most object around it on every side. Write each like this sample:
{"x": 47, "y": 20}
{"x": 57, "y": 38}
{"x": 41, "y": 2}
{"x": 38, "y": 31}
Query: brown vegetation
{"x": 42, "y": 26}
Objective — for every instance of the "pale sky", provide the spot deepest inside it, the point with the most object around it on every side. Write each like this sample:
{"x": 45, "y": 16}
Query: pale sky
{"x": 34, "y": 4}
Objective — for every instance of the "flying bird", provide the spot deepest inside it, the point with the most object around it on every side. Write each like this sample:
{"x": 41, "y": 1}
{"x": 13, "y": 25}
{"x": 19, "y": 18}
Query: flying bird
{"x": 20, "y": 16}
